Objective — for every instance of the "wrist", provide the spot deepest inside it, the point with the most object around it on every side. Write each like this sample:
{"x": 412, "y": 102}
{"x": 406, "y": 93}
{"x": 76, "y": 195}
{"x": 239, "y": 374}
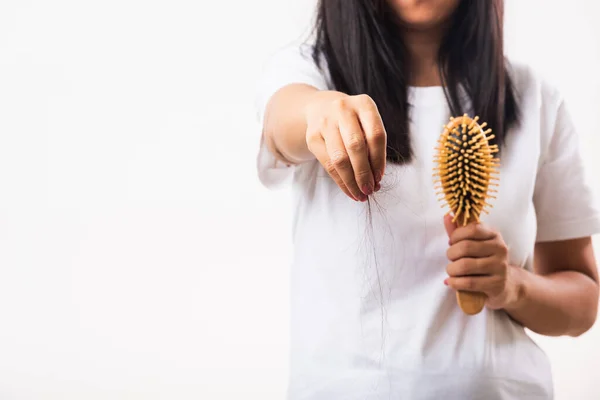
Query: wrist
{"x": 517, "y": 286}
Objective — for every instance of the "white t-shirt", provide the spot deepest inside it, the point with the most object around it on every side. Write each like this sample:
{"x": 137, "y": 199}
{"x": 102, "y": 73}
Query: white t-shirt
{"x": 370, "y": 316}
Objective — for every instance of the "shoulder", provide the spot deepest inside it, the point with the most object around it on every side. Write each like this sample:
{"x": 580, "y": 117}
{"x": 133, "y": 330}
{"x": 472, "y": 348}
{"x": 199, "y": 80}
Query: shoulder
{"x": 533, "y": 88}
{"x": 545, "y": 112}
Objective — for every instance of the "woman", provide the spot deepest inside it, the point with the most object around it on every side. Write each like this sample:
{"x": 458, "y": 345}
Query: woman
{"x": 354, "y": 117}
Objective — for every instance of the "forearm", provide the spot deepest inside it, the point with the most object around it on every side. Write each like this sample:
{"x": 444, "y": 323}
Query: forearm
{"x": 285, "y": 120}
{"x": 559, "y": 303}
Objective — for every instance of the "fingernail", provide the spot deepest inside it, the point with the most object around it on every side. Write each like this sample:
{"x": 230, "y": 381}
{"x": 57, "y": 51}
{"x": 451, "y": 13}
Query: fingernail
{"x": 446, "y": 282}
{"x": 378, "y": 176}
{"x": 377, "y": 187}
{"x": 363, "y": 198}
{"x": 367, "y": 189}
{"x": 449, "y": 242}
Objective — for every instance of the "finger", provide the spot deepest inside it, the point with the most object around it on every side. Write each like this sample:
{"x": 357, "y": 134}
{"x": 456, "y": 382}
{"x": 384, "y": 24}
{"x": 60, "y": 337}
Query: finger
{"x": 341, "y": 161}
{"x": 356, "y": 147}
{"x": 449, "y": 225}
{"x": 473, "y": 231}
{"x": 471, "y": 266}
{"x": 317, "y": 147}
{"x": 471, "y": 249}
{"x": 375, "y": 134}
{"x": 483, "y": 284}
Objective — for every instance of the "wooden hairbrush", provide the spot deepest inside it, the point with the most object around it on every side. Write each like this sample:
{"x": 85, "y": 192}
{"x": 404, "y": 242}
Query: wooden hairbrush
{"x": 465, "y": 169}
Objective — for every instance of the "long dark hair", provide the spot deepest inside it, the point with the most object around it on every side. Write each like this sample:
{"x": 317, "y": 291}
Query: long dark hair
{"x": 361, "y": 43}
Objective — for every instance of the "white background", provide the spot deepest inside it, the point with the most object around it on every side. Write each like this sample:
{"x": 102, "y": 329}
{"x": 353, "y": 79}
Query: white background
{"x": 139, "y": 257}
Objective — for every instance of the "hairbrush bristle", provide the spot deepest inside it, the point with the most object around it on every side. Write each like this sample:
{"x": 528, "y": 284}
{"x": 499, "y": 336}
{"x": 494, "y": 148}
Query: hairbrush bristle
{"x": 466, "y": 167}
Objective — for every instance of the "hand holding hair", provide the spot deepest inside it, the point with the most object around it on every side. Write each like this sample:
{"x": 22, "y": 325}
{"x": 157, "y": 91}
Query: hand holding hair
{"x": 347, "y": 136}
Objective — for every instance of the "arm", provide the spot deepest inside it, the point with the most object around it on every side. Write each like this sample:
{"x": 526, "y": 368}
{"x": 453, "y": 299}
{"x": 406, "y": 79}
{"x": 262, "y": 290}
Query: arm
{"x": 303, "y": 120}
{"x": 344, "y": 133}
{"x": 561, "y": 297}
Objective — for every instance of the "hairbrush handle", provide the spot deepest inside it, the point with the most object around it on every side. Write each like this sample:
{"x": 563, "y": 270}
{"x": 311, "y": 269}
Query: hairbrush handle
{"x": 471, "y": 302}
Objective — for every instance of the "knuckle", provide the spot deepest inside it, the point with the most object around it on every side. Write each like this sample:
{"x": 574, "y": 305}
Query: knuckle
{"x": 497, "y": 287}
{"x": 378, "y": 134}
{"x": 340, "y": 104}
{"x": 365, "y": 100}
{"x": 470, "y": 266}
{"x": 329, "y": 167}
{"x": 319, "y": 122}
{"x": 473, "y": 229}
{"x": 470, "y": 283}
{"x": 453, "y": 254}
{"x": 450, "y": 270}
{"x": 500, "y": 282}
{"x": 312, "y": 137}
{"x": 502, "y": 247}
{"x": 453, "y": 269}
{"x": 377, "y": 174}
{"x": 328, "y": 122}
{"x": 356, "y": 143}
{"x": 466, "y": 247}
{"x": 363, "y": 176}
{"x": 480, "y": 264}
{"x": 462, "y": 266}
{"x": 339, "y": 159}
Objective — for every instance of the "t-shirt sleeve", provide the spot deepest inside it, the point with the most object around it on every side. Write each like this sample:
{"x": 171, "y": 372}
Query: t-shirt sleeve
{"x": 288, "y": 66}
{"x": 564, "y": 202}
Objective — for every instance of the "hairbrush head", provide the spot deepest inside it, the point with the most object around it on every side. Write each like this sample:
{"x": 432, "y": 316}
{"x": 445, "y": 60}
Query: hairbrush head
{"x": 466, "y": 167}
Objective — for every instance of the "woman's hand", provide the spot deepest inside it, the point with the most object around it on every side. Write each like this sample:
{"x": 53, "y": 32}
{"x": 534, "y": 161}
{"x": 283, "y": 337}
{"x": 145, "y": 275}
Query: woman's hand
{"x": 479, "y": 263}
{"x": 347, "y": 136}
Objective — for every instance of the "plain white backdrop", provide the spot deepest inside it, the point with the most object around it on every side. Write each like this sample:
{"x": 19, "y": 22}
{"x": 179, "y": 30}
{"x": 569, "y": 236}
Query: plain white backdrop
{"x": 139, "y": 257}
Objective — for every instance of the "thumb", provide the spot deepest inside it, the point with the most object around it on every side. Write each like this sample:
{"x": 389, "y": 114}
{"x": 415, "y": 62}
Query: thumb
{"x": 449, "y": 225}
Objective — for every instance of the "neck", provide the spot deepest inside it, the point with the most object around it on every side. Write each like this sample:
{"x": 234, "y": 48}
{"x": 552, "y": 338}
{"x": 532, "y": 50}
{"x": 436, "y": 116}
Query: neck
{"x": 423, "y": 48}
